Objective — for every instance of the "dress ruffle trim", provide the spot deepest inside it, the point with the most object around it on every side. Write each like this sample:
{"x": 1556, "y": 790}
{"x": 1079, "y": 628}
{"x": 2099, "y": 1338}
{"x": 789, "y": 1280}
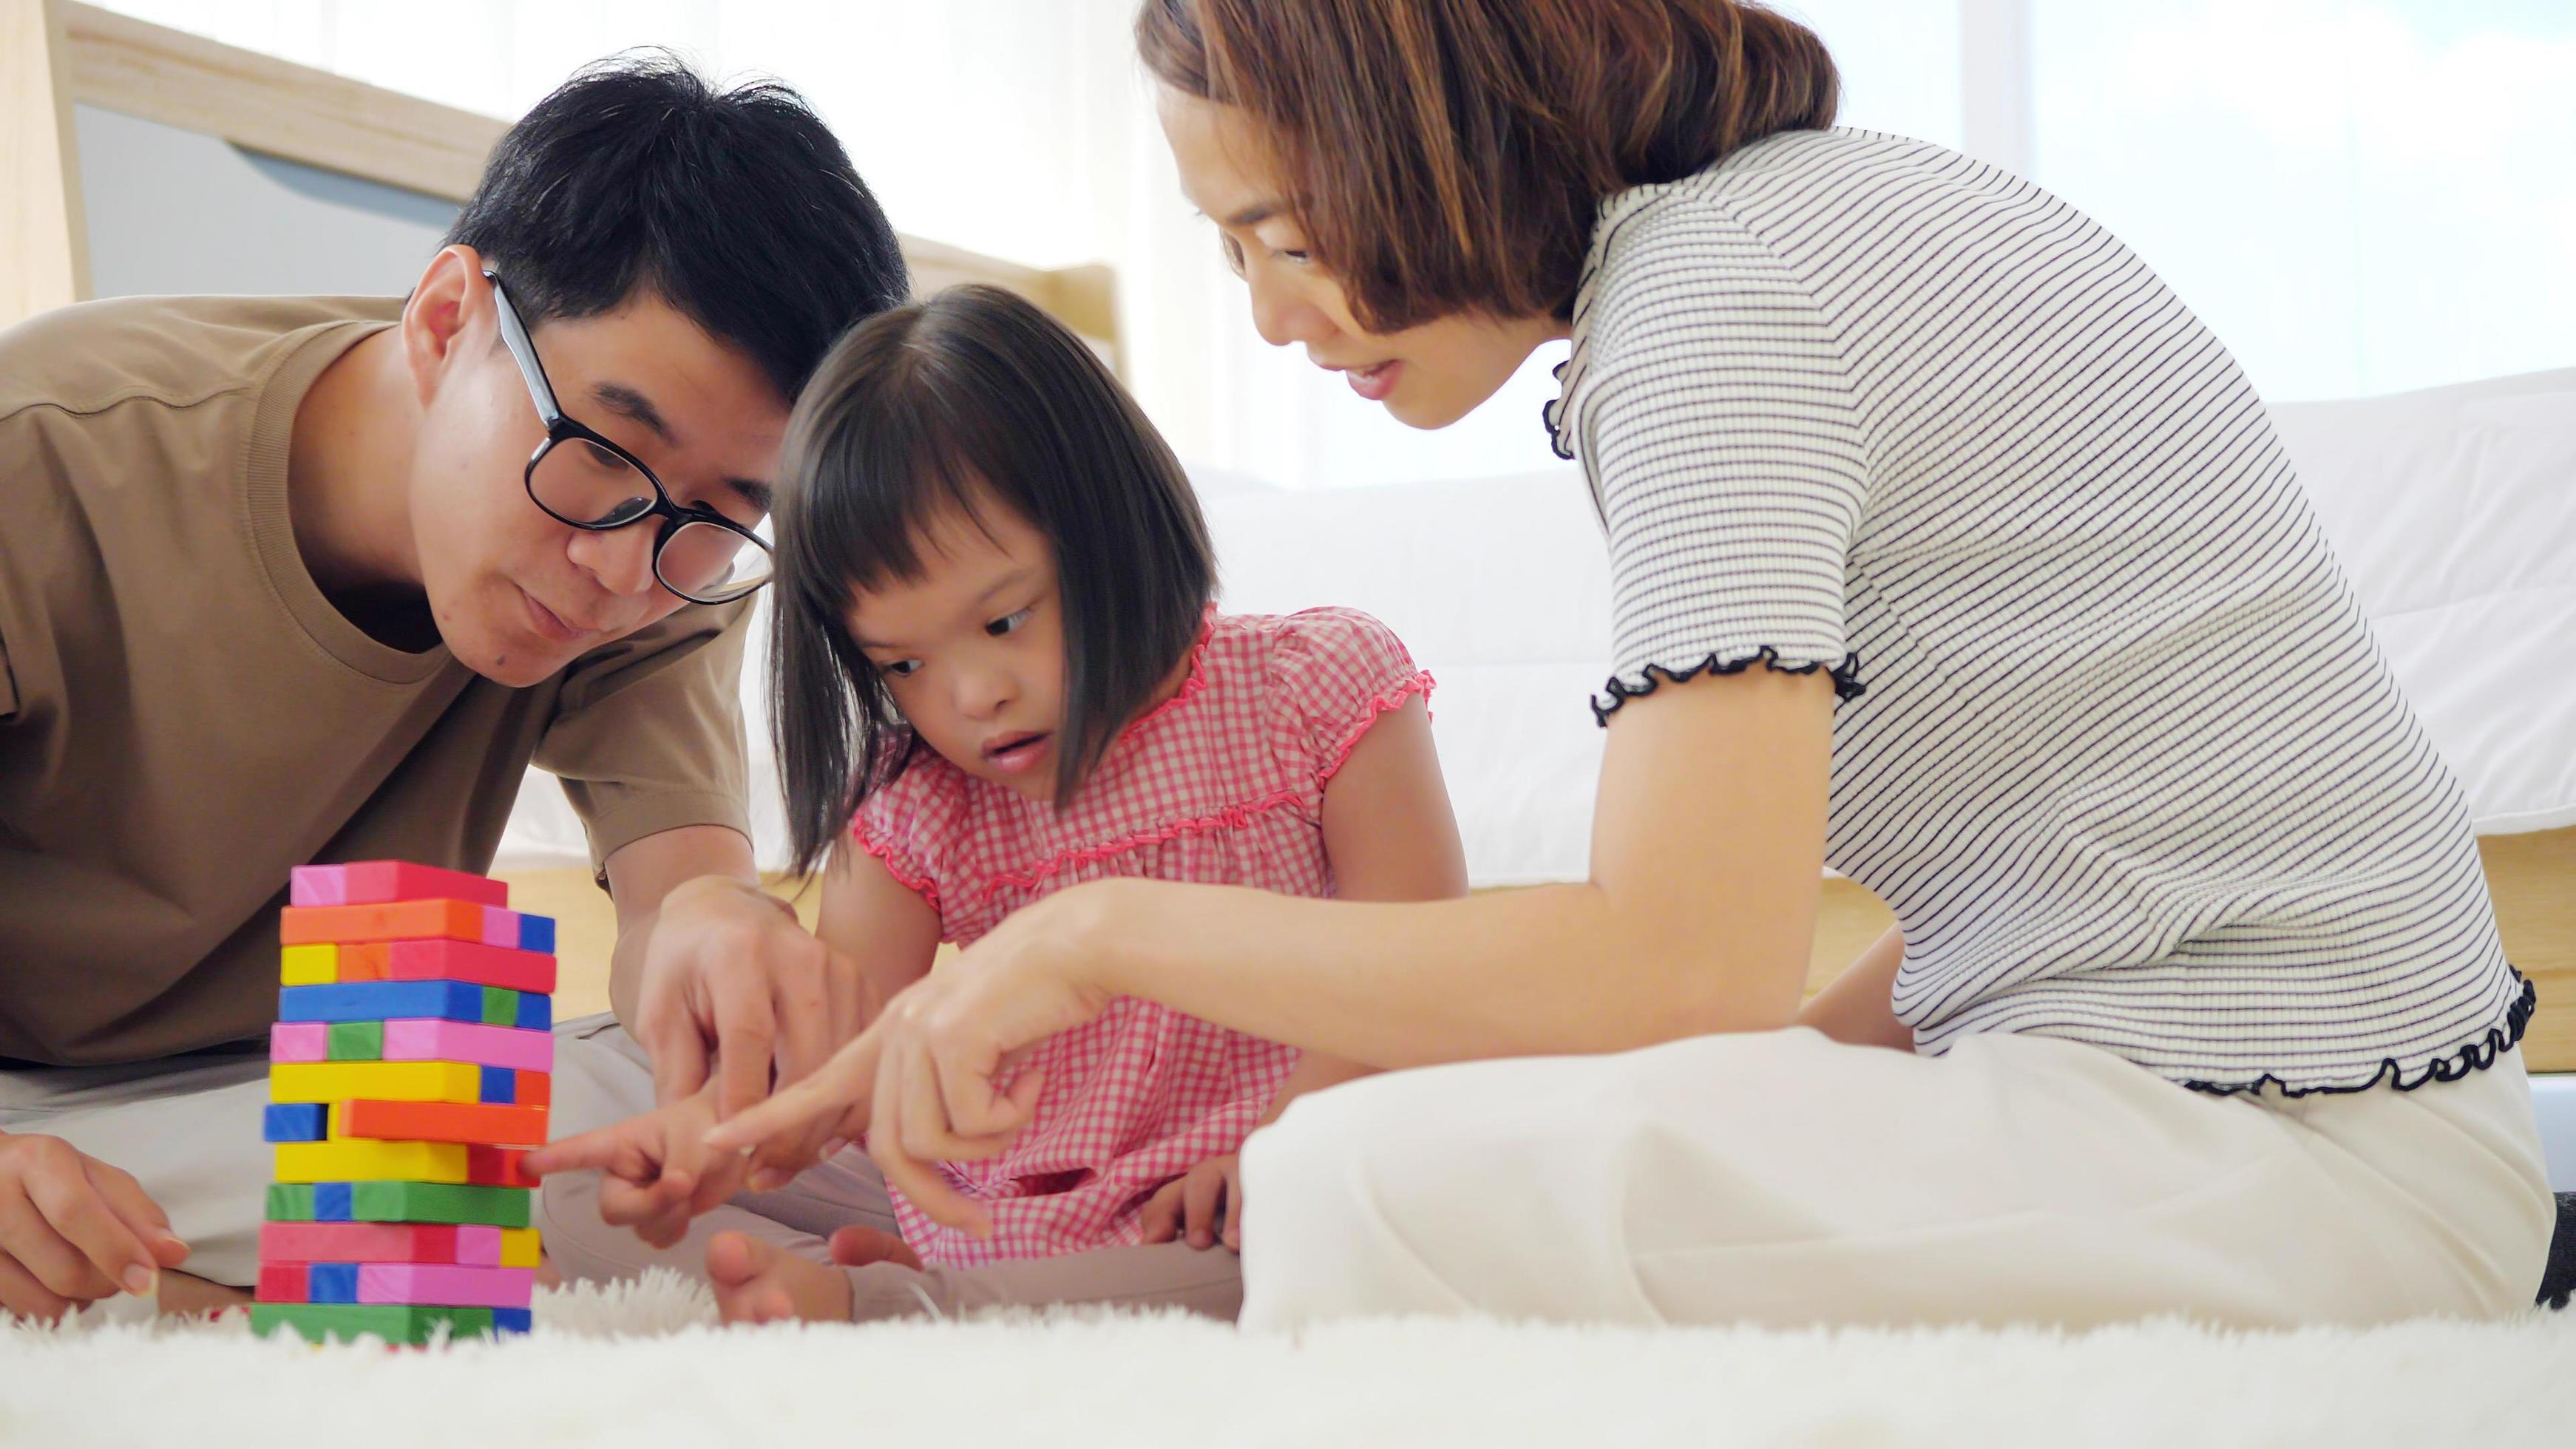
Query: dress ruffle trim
{"x": 898, "y": 866}
{"x": 2450, "y": 1066}
{"x": 1234, "y": 817}
{"x": 1383, "y": 702}
{"x": 1847, "y": 685}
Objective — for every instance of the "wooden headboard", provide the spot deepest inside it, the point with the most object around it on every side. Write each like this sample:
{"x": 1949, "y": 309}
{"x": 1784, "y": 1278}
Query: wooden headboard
{"x": 55, "y": 55}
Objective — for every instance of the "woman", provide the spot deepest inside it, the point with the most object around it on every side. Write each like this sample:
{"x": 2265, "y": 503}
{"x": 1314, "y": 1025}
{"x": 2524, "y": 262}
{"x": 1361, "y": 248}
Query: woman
{"x": 1948, "y": 548}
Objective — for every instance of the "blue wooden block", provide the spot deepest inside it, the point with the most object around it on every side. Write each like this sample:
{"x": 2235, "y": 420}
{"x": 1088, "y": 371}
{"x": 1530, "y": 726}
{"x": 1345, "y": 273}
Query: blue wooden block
{"x": 536, "y": 1013}
{"x": 537, "y": 933}
{"x": 500, "y": 1084}
{"x": 512, "y": 1320}
{"x": 332, "y": 1283}
{"x": 382, "y": 1001}
{"x": 331, "y": 1202}
{"x": 295, "y": 1122}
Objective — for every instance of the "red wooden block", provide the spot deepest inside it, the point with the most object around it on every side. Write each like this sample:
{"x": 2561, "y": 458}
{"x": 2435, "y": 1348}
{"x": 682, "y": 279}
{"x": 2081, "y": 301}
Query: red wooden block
{"x": 471, "y": 961}
{"x": 374, "y": 881}
{"x": 284, "y": 1243}
{"x": 399, "y": 921}
{"x": 535, "y": 1089}
{"x": 496, "y": 1167}
{"x": 282, "y": 1283}
{"x": 472, "y": 1122}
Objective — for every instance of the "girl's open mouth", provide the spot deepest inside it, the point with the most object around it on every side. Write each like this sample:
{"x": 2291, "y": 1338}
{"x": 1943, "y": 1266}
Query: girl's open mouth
{"x": 1016, "y": 753}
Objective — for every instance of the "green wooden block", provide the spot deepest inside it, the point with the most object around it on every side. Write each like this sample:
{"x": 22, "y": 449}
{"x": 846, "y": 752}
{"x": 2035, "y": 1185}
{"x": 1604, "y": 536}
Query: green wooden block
{"x": 403, "y": 1323}
{"x": 290, "y": 1202}
{"x": 357, "y": 1041}
{"x": 437, "y": 1202}
{"x": 500, "y": 1006}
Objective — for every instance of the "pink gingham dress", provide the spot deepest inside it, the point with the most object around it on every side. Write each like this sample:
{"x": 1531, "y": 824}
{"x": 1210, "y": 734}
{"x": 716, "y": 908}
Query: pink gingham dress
{"x": 1222, "y": 784}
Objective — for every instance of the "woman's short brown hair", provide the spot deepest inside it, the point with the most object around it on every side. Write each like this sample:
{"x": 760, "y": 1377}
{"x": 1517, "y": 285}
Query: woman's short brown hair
{"x": 1448, "y": 156}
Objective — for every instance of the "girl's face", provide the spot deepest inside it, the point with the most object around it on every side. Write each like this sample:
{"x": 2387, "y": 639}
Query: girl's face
{"x": 1428, "y": 376}
{"x": 973, "y": 652}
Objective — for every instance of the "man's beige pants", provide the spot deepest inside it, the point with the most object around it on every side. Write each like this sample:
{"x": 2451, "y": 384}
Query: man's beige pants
{"x": 189, "y": 1131}
{"x": 1786, "y": 1179}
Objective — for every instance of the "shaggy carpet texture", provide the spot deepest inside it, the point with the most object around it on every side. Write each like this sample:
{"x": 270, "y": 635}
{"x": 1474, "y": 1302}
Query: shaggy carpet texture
{"x": 643, "y": 1364}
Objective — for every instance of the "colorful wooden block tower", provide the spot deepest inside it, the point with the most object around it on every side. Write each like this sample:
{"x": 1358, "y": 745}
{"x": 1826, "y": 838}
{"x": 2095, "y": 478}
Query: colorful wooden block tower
{"x": 409, "y": 1071}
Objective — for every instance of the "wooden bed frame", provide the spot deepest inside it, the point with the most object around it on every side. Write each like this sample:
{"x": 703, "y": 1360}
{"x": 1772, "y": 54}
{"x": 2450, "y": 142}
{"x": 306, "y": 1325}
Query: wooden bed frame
{"x": 55, "y": 54}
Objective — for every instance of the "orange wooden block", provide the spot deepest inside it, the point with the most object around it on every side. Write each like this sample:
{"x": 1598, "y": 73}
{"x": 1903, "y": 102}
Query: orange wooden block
{"x": 533, "y": 1089}
{"x": 475, "y": 1122}
{"x": 399, "y": 921}
{"x": 365, "y": 962}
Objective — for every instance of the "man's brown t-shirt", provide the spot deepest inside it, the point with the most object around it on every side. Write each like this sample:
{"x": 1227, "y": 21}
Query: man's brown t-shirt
{"x": 184, "y": 717}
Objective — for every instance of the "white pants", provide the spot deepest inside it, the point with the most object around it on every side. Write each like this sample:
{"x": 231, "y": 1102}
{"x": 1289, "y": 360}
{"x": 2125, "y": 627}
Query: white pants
{"x": 1786, "y": 1179}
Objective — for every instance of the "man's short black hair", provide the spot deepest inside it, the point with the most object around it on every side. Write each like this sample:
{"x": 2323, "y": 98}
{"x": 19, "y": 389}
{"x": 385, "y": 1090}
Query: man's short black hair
{"x": 739, "y": 208}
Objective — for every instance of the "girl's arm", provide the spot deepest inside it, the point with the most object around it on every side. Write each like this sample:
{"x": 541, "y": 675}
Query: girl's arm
{"x": 1707, "y": 852}
{"x": 1391, "y": 836}
{"x": 877, "y": 922}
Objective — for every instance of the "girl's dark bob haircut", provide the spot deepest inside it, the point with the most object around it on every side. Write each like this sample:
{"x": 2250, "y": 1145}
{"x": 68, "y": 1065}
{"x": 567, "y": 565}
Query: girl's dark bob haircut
{"x": 972, "y": 400}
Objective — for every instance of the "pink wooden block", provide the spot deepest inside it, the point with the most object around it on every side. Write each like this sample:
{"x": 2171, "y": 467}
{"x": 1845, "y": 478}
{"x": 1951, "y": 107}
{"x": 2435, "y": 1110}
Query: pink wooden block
{"x": 500, "y": 928}
{"x": 409, "y": 1039}
{"x": 446, "y": 1285}
{"x": 300, "y": 1041}
{"x": 318, "y": 885}
{"x": 478, "y": 1245}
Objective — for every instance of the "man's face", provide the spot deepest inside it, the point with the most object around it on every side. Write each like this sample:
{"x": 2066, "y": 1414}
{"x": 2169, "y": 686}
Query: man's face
{"x": 516, "y": 594}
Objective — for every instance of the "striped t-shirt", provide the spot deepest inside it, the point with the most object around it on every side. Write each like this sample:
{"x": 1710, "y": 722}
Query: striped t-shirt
{"x": 2114, "y": 740}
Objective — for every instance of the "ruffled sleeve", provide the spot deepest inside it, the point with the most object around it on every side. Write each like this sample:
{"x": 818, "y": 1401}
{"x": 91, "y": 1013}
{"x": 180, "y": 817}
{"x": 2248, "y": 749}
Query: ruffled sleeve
{"x": 908, "y": 823}
{"x": 1724, "y": 436}
{"x": 1333, "y": 672}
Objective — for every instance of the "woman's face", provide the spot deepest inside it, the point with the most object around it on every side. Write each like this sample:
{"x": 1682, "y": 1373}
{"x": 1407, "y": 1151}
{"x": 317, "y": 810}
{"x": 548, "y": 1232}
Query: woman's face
{"x": 1428, "y": 376}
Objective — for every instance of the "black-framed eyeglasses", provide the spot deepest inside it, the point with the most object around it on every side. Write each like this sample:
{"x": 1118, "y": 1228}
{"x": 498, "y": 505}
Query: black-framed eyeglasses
{"x": 583, "y": 479}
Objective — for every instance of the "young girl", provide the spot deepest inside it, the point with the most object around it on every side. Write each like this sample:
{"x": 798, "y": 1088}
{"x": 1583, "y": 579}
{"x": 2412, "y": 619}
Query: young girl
{"x": 997, "y": 673}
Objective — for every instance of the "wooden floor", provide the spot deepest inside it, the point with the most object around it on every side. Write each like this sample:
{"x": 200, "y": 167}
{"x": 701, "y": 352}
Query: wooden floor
{"x": 2532, "y": 877}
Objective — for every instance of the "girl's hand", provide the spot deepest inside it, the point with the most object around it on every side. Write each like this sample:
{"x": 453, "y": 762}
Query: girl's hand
{"x": 656, "y": 1171}
{"x": 1196, "y": 1202}
{"x": 924, "y": 1083}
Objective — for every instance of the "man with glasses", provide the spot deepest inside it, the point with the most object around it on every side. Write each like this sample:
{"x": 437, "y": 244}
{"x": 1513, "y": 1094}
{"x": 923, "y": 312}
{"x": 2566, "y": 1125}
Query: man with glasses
{"x": 302, "y": 579}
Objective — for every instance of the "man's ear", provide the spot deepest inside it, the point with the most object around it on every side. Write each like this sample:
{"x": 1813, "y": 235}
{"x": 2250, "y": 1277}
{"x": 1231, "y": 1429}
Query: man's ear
{"x": 450, "y": 301}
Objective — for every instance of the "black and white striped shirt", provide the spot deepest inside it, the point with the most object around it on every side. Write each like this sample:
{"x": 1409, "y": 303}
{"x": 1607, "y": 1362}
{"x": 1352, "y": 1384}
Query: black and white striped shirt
{"x": 2114, "y": 742}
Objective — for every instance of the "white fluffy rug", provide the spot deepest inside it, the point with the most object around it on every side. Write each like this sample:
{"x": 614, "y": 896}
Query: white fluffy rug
{"x": 643, "y": 1366}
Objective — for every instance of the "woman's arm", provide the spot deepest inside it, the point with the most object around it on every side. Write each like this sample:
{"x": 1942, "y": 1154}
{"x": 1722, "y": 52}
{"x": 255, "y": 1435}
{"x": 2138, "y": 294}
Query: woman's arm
{"x": 1856, "y": 1008}
{"x": 1707, "y": 851}
{"x": 1708, "y": 848}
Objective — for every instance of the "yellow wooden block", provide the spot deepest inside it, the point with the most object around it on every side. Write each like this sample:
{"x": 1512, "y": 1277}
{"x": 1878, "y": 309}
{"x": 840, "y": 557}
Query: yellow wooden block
{"x": 363, "y": 1161}
{"x": 310, "y": 966}
{"x": 384, "y": 1081}
{"x": 519, "y": 1247}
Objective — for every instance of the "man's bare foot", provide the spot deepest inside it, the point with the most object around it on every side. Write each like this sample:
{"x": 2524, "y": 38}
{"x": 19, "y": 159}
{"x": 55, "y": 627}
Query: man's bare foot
{"x": 757, "y": 1283}
{"x": 857, "y": 1247}
{"x": 188, "y": 1293}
